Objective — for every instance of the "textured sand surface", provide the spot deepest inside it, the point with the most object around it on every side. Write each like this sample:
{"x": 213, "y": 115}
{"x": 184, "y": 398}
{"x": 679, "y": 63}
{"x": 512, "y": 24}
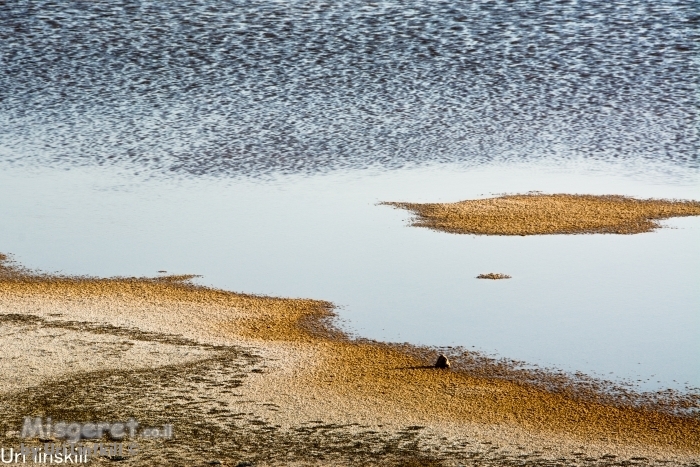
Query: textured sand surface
{"x": 540, "y": 214}
{"x": 265, "y": 380}
{"x": 33, "y": 353}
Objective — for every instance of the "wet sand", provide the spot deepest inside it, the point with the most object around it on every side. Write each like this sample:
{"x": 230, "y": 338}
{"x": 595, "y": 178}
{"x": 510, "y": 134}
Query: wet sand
{"x": 270, "y": 381}
{"x": 541, "y": 214}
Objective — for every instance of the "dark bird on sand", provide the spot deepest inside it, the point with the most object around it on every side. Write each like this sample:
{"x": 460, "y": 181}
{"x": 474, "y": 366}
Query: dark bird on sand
{"x": 442, "y": 362}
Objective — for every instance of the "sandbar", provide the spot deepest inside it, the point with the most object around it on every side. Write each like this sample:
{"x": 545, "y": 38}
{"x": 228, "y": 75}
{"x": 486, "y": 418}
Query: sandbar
{"x": 547, "y": 214}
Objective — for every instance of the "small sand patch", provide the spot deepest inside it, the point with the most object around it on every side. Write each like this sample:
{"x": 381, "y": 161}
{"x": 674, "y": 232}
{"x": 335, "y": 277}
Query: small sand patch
{"x": 493, "y": 276}
{"x": 540, "y": 214}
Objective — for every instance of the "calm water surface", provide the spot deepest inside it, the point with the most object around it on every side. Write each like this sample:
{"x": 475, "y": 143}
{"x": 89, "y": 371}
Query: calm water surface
{"x": 621, "y": 307}
{"x": 249, "y": 141}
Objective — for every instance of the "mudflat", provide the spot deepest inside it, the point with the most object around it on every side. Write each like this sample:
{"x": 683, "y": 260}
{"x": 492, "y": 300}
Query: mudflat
{"x": 547, "y": 214}
{"x": 254, "y": 380}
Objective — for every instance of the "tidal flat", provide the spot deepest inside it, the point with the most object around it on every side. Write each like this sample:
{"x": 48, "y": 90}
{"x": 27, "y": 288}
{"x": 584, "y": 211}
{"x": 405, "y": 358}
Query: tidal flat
{"x": 270, "y": 381}
{"x": 250, "y": 142}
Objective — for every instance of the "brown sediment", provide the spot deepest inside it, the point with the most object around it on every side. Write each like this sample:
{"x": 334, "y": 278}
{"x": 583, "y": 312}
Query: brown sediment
{"x": 493, "y": 276}
{"x": 312, "y": 389}
{"x": 542, "y": 214}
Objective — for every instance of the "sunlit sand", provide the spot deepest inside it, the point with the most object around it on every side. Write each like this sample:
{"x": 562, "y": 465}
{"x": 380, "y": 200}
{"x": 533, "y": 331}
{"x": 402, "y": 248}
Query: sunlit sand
{"x": 540, "y": 214}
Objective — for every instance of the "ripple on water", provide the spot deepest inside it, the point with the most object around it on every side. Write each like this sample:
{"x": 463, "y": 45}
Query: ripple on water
{"x": 260, "y": 87}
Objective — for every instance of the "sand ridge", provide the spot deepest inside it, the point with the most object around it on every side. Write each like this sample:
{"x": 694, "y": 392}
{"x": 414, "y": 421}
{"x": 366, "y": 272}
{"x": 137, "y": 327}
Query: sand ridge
{"x": 546, "y": 214}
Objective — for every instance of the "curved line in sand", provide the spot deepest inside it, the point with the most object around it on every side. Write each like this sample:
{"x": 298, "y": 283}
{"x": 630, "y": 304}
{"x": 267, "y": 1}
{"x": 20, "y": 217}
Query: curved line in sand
{"x": 350, "y": 376}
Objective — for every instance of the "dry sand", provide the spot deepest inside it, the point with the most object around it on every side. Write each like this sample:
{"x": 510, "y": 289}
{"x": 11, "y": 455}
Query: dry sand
{"x": 540, "y": 214}
{"x": 268, "y": 381}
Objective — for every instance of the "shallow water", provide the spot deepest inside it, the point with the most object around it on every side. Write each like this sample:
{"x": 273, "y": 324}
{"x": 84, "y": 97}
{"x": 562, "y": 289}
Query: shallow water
{"x": 249, "y": 141}
{"x": 619, "y": 307}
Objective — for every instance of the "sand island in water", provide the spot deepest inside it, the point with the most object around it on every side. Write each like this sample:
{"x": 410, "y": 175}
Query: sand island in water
{"x": 269, "y": 381}
{"x": 541, "y": 214}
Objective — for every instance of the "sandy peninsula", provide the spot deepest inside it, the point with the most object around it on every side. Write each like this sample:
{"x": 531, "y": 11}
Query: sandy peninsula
{"x": 252, "y": 380}
{"x": 542, "y": 214}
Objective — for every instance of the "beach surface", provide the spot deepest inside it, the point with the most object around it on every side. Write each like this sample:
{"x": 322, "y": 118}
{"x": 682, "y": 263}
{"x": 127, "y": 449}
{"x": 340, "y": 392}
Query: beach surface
{"x": 270, "y": 381}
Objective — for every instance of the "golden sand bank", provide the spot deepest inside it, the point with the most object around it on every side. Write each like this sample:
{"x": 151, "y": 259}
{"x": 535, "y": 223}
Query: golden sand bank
{"x": 268, "y": 381}
{"x": 541, "y": 214}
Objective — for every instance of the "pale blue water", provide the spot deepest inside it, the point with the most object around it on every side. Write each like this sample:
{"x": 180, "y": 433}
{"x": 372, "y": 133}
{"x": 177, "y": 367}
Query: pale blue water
{"x": 620, "y": 307}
